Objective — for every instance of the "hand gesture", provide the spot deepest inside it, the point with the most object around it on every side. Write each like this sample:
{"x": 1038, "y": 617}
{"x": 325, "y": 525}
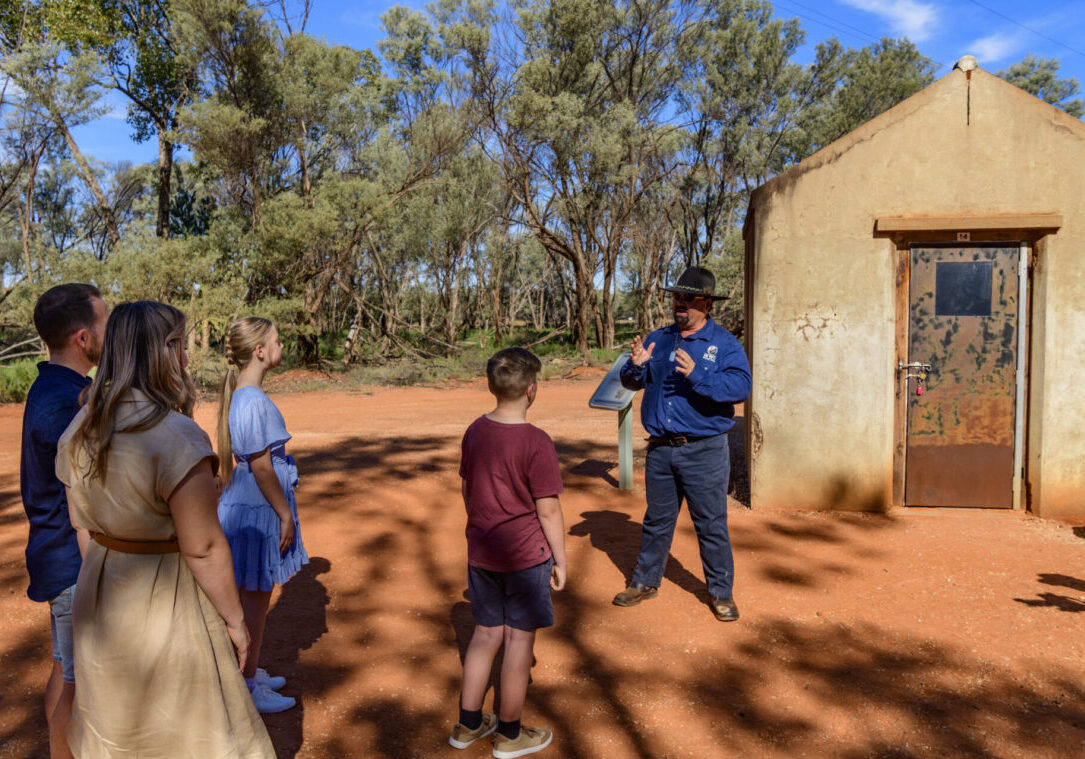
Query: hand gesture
{"x": 286, "y": 534}
{"x": 557, "y": 577}
{"x": 239, "y": 636}
{"x": 639, "y": 353}
{"x": 684, "y": 364}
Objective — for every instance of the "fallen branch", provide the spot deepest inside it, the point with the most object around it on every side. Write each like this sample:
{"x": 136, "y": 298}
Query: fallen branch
{"x": 552, "y": 335}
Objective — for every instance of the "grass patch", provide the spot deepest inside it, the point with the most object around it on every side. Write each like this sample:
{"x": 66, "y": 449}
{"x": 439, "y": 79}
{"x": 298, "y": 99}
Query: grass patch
{"x": 16, "y": 379}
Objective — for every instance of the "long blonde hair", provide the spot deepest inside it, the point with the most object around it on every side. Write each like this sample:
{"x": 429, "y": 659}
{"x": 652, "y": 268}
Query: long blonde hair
{"x": 141, "y": 351}
{"x": 243, "y": 336}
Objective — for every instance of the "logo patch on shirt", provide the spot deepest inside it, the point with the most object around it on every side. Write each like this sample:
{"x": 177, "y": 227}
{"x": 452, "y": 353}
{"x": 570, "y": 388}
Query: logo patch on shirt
{"x": 710, "y": 354}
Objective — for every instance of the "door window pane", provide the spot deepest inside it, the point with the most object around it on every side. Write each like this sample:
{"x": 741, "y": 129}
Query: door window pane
{"x": 963, "y": 288}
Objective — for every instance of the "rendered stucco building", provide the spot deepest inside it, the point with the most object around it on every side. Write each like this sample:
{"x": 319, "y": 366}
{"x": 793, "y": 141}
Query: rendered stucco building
{"x": 915, "y": 305}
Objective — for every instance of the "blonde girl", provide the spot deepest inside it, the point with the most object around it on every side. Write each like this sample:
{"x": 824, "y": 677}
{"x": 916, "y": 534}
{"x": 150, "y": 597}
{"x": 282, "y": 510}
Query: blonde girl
{"x": 156, "y": 613}
{"x": 257, "y": 509}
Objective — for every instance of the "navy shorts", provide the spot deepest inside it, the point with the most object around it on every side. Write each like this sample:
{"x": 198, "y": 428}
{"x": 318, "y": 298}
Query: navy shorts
{"x": 519, "y": 599}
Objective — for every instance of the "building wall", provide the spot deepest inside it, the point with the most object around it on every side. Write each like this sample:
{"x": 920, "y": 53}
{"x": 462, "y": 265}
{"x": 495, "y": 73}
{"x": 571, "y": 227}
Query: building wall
{"x": 822, "y": 290}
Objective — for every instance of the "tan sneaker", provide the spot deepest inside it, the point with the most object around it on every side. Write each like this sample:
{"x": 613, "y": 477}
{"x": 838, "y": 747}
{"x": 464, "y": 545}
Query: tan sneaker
{"x": 634, "y": 594}
{"x": 530, "y": 740}
{"x": 462, "y": 737}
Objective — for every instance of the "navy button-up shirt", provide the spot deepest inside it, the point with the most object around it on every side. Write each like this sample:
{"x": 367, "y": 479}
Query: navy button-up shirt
{"x": 52, "y": 553}
{"x": 701, "y": 404}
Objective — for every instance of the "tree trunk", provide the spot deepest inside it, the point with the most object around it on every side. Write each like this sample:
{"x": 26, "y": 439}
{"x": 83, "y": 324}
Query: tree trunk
{"x": 303, "y": 164}
{"x": 26, "y": 218}
{"x": 495, "y": 302}
{"x": 606, "y": 337}
{"x": 113, "y": 237}
{"x": 585, "y": 296}
{"x": 387, "y": 303}
{"x": 165, "y": 175}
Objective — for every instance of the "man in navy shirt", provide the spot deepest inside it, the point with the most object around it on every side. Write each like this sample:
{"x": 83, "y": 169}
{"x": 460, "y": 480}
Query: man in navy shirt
{"x": 692, "y": 372}
{"x": 71, "y": 321}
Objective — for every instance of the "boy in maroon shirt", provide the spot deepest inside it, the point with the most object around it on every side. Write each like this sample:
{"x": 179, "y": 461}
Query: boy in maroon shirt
{"x": 515, "y": 553}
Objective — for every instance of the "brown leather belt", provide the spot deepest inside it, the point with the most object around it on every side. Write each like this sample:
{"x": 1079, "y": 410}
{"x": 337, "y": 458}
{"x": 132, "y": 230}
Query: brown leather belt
{"x": 676, "y": 441}
{"x": 136, "y": 546}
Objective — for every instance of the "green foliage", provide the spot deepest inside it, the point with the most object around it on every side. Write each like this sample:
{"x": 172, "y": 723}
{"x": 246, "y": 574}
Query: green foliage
{"x": 1039, "y": 77}
{"x": 16, "y": 379}
{"x": 871, "y": 80}
{"x": 504, "y": 173}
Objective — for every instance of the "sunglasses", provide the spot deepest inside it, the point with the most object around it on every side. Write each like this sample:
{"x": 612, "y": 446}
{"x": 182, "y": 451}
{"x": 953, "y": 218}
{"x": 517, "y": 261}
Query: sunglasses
{"x": 686, "y": 298}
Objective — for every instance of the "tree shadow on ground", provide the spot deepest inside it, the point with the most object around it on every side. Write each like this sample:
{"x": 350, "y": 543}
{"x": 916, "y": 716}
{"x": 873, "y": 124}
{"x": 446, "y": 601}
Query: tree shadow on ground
{"x": 11, "y": 501}
{"x": 296, "y": 622}
{"x": 25, "y": 732}
{"x": 395, "y": 459}
{"x": 952, "y": 704}
{"x": 1060, "y": 602}
{"x": 596, "y": 468}
{"x": 618, "y": 536}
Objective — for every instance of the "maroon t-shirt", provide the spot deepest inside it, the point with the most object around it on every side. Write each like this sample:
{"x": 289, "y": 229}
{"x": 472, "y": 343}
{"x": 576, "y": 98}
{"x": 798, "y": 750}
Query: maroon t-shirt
{"x": 505, "y": 468}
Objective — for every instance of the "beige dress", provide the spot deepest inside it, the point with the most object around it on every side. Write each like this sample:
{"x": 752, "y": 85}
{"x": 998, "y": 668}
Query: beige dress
{"x": 156, "y": 674}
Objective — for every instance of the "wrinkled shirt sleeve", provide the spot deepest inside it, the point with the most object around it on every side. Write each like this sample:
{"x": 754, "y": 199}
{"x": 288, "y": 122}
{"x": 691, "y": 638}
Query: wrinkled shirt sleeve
{"x": 631, "y": 375}
{"x": 730, "y": 383}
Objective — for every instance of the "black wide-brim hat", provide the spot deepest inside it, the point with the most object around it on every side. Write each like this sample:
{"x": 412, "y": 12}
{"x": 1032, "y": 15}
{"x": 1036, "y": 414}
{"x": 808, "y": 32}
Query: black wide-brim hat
{"x": 696, "y": 281}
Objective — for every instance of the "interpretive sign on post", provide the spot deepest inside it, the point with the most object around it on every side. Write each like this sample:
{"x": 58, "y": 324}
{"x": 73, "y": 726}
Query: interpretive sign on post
{"x": 610, "y": 395}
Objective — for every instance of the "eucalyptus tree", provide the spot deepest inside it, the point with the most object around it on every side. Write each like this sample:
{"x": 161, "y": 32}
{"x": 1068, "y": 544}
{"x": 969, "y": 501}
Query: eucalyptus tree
{"x": 234, "y": 125}
{"x": 57, "y": 91}
{"x": 1040, "y": 77}
{"x": 136, "y": 40}
{"x": 741, "y": 100}
{"x": 577, "y": 95}
{"x": 870, "y": 81}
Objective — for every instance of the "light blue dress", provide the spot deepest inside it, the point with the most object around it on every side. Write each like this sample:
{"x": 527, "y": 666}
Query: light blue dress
{"x": 250, "y": 524}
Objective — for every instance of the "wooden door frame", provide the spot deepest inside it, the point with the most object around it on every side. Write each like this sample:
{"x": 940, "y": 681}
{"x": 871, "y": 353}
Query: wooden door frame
{"x": 904, "y": 233}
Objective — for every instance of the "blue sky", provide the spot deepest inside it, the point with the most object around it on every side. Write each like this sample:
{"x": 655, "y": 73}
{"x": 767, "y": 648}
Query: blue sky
{"x": 997, "y": 32}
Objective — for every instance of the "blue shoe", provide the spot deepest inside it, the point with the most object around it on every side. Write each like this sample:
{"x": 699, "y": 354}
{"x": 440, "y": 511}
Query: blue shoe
{"x": 263, "y": 678}
{"x": 269, "y": 702}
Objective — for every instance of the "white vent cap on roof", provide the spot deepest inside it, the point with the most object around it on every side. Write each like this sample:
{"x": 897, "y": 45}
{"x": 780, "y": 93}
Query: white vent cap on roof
{"x": 967, "y": 63}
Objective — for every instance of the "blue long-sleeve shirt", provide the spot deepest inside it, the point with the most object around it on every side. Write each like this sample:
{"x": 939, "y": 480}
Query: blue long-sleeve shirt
{"x": 52, "y": 551}
{"x": 701, "y": 404}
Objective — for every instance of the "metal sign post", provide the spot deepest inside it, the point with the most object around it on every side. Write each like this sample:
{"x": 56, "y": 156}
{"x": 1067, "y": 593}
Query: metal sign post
{"x": 612, "y": 396}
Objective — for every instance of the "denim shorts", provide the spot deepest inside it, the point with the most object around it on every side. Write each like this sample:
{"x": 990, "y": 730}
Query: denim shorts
{"x": 519, "y": 599}
{"x": 60, "y": 623}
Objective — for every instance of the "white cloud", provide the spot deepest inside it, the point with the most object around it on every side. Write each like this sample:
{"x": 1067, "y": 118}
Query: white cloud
{"x": 996, "y": 47}
{"x": 909, "y": 18}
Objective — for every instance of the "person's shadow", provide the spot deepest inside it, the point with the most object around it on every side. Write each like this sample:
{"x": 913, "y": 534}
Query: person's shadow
{"x": 297, "y": 621}
{"x": 616, "y": 535}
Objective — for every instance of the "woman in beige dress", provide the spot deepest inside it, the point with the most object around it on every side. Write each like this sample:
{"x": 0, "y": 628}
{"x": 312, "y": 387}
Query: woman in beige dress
{"x": 156, "y": 612}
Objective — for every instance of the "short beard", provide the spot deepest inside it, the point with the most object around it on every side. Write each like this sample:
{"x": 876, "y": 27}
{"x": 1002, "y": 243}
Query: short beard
{"x": 93, "y": 351}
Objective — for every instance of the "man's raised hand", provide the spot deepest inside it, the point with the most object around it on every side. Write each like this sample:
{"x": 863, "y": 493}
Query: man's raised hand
{"x": 640, "y": 354}
{"x": 683, "y": 363}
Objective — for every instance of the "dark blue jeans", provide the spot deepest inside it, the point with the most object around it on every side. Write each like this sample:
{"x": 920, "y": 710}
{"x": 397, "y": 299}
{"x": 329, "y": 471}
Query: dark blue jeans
{"x": 697, "y": 473}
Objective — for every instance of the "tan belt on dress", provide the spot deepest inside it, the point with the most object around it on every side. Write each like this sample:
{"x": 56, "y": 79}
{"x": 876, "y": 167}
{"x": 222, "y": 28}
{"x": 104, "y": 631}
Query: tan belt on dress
{"x": 136, "y": 546}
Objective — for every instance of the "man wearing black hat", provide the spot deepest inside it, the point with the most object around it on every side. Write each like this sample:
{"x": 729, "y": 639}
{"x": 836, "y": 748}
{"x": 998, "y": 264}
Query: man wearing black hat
{"x": 692, "y": 372}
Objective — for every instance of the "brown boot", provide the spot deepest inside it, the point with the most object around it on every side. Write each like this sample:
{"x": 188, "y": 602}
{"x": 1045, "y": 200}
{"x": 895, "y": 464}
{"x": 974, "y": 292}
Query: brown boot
{"x": 634, "y": 594}
{"x": 725, "y": 609}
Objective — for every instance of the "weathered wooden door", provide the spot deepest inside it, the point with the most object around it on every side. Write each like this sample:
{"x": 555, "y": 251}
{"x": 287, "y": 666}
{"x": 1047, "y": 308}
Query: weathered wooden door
{"x": 963, "y": 317}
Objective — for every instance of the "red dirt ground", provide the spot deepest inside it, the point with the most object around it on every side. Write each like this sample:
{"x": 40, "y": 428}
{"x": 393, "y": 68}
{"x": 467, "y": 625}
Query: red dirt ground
{"x": 912, "y": 634}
